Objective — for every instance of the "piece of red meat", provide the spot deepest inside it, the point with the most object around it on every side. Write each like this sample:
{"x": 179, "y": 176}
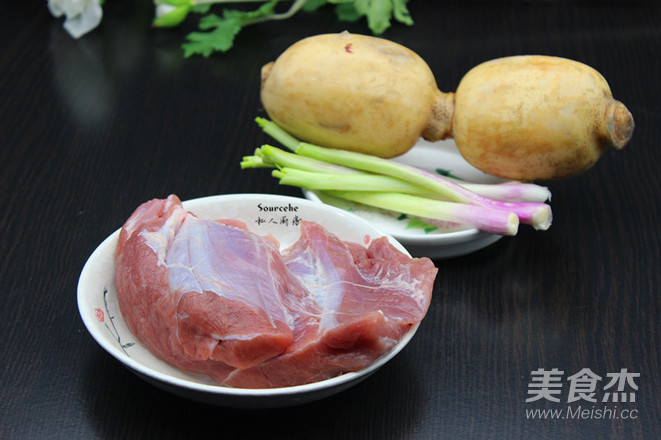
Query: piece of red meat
{"x": 201, "y": 294}
{"x": 212, "y": 297}
{"x": 369, "y": 298}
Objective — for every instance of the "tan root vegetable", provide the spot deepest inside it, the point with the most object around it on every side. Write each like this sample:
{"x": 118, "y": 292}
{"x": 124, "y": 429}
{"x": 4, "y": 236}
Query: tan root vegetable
{"x": 526, "y": 117}
{"x": 355, "y": 92}
{"x": 537, "y": 117}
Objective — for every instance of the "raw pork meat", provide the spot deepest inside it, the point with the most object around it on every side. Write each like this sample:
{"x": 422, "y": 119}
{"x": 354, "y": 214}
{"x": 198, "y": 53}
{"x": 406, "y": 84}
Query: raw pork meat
{"x": 212, "y": 297}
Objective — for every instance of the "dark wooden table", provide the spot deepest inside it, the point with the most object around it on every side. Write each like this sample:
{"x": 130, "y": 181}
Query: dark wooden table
{"x": 91, "y": 128}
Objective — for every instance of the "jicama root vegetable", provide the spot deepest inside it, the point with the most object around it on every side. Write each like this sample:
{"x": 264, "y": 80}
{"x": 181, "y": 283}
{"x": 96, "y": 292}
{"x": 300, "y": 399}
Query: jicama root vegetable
{"x": 526, "y": 117}
{"x": 355, "y": 92}
{"x": 537, "y": 117}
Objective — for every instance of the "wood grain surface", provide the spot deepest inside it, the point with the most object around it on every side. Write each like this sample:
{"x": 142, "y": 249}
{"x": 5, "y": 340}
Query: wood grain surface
{"x": 91, "y": 128}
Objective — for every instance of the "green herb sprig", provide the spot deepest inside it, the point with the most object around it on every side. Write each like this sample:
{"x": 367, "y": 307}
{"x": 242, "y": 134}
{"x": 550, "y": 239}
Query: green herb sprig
{"x": 217, "y": 33}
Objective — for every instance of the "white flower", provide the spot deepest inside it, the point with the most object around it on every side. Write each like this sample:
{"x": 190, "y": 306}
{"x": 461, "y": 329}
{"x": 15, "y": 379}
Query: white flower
{"x": 163, "y": 9}
{"x": 81, "y": 15}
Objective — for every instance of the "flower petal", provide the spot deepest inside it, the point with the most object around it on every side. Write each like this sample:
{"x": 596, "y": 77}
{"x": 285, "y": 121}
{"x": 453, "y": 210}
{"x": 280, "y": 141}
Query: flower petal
{"x": 88, "y": 19}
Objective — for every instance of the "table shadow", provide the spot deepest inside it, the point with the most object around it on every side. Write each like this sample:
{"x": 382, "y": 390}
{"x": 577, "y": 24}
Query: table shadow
{"x": 121, "y": 405}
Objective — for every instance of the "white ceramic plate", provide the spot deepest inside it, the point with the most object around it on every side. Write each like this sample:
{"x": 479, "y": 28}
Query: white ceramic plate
{"x": 419, "y": 240}
{"x": 98, "y": 307}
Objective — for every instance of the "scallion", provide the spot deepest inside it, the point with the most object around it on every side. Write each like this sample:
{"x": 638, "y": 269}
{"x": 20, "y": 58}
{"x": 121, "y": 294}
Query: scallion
{"x": 388, "y": 184}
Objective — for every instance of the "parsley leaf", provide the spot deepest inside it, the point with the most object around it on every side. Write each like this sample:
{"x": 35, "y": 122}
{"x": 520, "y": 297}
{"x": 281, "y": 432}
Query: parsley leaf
{"x": 401, "y": 12}
{"x": 378, "y": 15}
{"x": 221, "y": 38}
{"x": 313, "y": 5}
{"x": 377, "y": 12}
{"x": 217, "y": 33}
{"x": 223, "y": 30}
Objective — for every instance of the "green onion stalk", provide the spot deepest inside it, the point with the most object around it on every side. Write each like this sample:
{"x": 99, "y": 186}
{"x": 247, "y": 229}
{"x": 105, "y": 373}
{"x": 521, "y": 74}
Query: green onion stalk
{"x": 401, "y": 188}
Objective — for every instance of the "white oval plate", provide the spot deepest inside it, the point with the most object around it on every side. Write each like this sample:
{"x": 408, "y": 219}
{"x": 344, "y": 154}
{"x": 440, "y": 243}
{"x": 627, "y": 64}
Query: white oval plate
{"x": 420, "y": 241}
{"x": 98, "y": 307}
